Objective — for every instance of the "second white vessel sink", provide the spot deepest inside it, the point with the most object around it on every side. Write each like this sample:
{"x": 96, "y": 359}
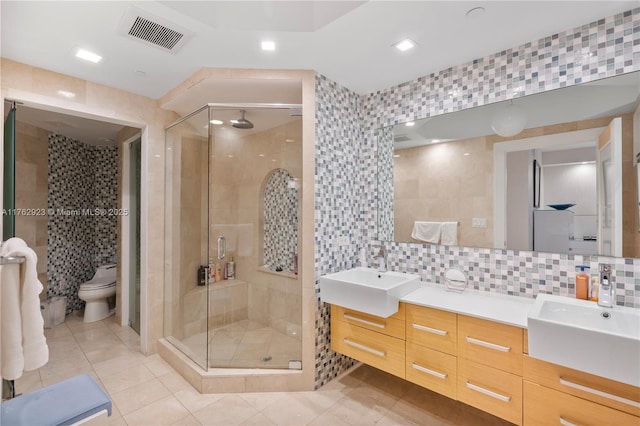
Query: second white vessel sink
{"x": 367, "y": 290}
{"x": 584, "y": 336}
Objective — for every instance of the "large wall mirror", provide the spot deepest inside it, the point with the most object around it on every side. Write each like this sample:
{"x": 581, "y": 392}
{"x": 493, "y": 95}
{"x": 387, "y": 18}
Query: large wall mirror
{"x": 561, "y": 179}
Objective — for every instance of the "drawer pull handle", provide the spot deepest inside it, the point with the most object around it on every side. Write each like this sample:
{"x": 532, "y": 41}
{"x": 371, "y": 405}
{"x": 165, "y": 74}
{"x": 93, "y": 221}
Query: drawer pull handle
{"x": 488, "y": 345}
{"x": 488, "y": 392}
{"x": 599, "y": 393}
{"x": 565, "y": 422}
{"x": 364, "y": 321}
{"x": 364, "y": 348}
{"x": 426, "y": 370}
{"x": 430, "y": 330}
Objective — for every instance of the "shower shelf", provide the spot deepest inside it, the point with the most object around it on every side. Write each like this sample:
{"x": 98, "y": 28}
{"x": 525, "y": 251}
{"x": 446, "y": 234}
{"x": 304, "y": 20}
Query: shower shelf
{"x": 279, "y": 273}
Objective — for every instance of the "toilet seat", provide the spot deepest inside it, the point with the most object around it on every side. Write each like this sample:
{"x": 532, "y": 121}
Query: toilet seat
{"x": 98, "y": 284}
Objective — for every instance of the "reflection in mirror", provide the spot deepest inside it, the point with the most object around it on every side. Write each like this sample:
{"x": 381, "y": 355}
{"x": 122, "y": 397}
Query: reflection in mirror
{"x": 453, "y": 167}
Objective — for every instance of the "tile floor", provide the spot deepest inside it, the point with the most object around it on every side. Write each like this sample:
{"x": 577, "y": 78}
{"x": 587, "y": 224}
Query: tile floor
{"x": 147, "y": 391}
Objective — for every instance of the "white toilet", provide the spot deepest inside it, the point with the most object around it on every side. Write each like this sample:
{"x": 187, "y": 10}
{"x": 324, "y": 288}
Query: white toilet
{"x": 96, "y": 292}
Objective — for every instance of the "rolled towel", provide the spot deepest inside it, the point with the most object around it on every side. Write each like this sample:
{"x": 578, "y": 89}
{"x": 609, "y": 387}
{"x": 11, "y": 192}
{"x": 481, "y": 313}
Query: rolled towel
{"x": 24, "y": 346}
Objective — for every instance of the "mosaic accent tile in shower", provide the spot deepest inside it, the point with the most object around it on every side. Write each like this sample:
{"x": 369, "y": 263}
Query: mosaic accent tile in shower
{"x": 81, "y": 177}
{"x": 281, "y": 220}
{"x": 338, "y": 190}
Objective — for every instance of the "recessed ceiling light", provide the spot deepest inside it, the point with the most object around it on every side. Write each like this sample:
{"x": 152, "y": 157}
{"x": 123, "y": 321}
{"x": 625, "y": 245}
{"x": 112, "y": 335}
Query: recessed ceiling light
{"x": 396, "y": 155}
{"x": 230, "y": 155}
{"x": 405, "y": 44}
{"x": 410, "y": 123}
{"x": 216, "y": 122}
{"x": 66, "y": 94}
{"x": 435, "y": 140}
{"x": 467, "y": 153}
{"x": 269, "y": 45}
{"x": 289, "y": 140}
{"x": 88, "y": 56}
{"x": 260, "y": 155}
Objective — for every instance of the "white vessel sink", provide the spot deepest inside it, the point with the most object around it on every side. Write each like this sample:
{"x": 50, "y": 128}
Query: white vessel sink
{"x": 367, "y": 290}
{"x": 584, "y": 336}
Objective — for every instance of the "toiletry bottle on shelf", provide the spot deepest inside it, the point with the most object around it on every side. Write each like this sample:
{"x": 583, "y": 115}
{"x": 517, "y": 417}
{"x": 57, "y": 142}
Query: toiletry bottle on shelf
{"x": 231, "y": 269}
{"x": 582, "y": 283}
{"x": 594, "y": 287}
{"x": 218, "y": 272}
{"x": 211, "y": 272}
{"x": 202, "y": 275}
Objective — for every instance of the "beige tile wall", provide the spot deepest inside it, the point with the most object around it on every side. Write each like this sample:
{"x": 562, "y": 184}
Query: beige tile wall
{"x": 31, "y": 192}
{"x": 236, "y": 200}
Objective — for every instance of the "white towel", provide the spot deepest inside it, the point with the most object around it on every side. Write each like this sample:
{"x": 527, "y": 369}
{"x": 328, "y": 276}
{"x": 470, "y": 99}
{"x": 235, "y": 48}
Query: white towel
{"x": 427, "y": 231}
{"x": 23, "y": 345}
{"x": 449, "y": 234}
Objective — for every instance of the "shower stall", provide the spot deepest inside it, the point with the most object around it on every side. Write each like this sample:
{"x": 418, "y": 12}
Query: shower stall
{"x": 233, "y": 298}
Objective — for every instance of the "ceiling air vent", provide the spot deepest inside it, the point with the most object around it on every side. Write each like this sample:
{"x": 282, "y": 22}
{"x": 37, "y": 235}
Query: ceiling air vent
{"x": 152, "y": 30}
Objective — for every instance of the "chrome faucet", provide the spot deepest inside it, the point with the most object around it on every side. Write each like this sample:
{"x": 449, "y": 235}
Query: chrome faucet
{"x": 606, "y": 292}
{"x": 382, "y": 260}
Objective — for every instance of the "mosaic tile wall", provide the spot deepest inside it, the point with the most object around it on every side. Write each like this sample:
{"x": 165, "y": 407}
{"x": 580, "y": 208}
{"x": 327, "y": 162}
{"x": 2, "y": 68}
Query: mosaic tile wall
{"x": 337, "y": 204}
{"x": 596, "y": 50}
{"x": 384, "y": 138}
{"x": 80, "y": 177}
{"x": 280, "y": 220}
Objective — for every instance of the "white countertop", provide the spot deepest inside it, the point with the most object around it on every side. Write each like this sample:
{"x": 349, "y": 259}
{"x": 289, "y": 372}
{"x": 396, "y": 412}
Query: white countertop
{"x": 510, "y": 310}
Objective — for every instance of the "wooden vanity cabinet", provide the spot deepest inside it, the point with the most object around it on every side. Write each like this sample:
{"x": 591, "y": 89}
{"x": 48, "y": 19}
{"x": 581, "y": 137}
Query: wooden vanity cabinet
{"x": 483, "y": 364}
{"x": 490, "y": 367}
{"x": 598, "y": 396}
{"x": 431, "y": 349}
{"x": 545, "y": 406}
{"x": 373, "y": 340}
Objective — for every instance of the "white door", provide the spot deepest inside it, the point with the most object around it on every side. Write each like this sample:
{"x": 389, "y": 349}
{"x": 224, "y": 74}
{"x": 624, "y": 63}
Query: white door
{"x": 610, "y": 189}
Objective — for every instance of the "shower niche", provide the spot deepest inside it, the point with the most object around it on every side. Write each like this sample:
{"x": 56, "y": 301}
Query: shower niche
{"x": 232, "y": 196}
{"x": 280, "y": 210}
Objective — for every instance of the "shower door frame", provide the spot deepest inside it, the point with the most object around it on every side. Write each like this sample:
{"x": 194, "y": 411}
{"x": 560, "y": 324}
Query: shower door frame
{"x": 209, "y": 107}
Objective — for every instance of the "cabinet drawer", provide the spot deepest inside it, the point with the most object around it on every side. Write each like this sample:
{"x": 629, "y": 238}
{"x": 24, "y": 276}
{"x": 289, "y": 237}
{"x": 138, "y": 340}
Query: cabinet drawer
{"x": 620, "y": 396}
{"x": 431, "y": 369}
{"x": 544, "y": 406}
{"x": 491, "y": 390}
{"x": 490, "y": 343}
{"x": 375, "y": 349}
{"x": 392, "y": 326}
{"x": 432, "y": 328}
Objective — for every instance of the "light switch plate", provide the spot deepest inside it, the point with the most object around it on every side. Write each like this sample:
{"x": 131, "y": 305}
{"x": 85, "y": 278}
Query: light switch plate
{"x": 479, "y": 222}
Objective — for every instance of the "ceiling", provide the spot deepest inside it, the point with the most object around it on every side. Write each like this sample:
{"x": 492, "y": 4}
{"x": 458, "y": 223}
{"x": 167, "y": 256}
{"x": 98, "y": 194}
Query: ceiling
{"x": 348, "y": 41}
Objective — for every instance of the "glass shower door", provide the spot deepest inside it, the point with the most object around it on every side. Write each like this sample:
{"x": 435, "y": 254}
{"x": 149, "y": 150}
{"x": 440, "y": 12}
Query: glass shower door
{"x": 186, "y": 235}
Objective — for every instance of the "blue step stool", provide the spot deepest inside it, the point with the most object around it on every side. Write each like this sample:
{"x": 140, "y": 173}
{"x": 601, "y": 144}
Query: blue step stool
{"x": 64, "y": 403}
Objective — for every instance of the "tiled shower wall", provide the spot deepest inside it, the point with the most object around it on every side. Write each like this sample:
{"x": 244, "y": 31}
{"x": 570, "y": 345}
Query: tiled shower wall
{"x": 280, "y": 240}
{"x": 600, "y": 49}
{"x": 81, "y": 177}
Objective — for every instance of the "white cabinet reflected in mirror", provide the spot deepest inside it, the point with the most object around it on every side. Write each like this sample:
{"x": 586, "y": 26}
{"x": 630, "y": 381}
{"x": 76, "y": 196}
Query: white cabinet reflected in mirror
{"x": 453, "y": 168}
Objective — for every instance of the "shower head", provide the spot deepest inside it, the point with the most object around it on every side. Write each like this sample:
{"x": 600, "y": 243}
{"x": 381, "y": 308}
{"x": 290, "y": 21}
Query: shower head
{"x": 242, "y": 123}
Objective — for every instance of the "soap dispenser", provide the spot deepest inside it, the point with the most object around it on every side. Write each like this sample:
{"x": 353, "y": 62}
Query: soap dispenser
{"x": 582, "y": 283}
